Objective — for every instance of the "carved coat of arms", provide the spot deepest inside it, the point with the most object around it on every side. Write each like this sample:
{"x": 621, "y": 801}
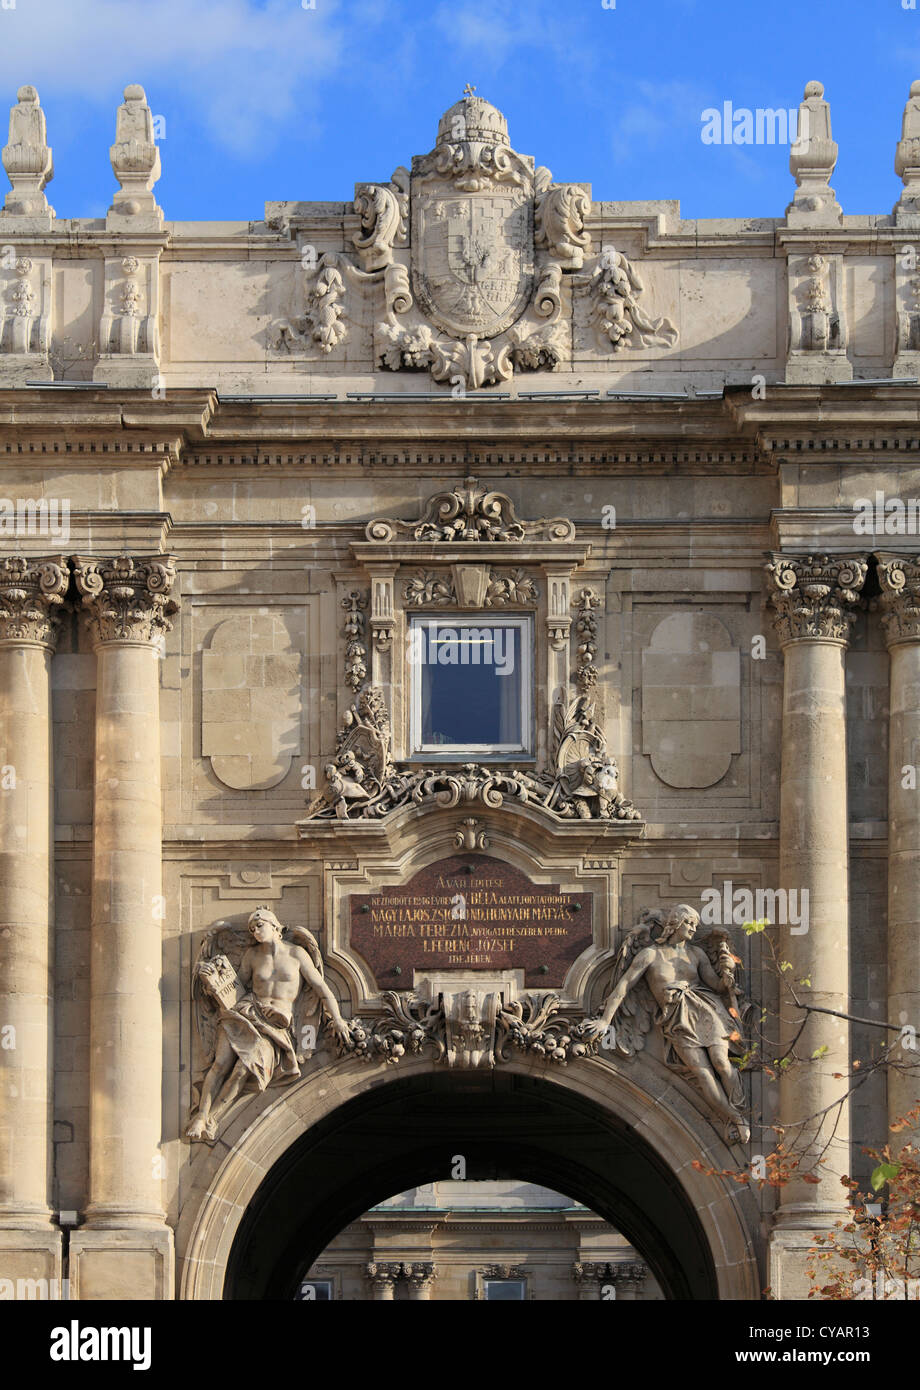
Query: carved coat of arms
{"x": 472, "y": 263}
{"x": 472, "y": 257}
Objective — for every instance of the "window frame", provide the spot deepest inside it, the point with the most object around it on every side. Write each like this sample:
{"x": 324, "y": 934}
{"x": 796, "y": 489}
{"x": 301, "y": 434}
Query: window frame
{"x": 474, "y": 752}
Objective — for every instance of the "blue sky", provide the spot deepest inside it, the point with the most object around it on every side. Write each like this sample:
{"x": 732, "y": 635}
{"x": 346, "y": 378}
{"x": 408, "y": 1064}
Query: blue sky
{"x": 264, "y": 99}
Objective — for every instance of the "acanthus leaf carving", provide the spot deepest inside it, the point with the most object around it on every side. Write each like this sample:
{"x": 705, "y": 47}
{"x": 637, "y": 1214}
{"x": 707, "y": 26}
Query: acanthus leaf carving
{"x": 470, "y": 512}
{"x": 434, "y": 589}
{"x": 31, "y": 598}
{"x": 614, "y": 287}
{"x": 559, "y": 220}
{"x": 815, "y": 596}
{"x": 899, "y": 578}
{"x": 127, "y": 598}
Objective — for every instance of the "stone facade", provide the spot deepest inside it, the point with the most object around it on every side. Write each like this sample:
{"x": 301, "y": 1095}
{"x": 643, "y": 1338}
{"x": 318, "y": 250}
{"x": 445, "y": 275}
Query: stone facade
{"x": 454, "y": 1240}
{"x": 239, "y": 461}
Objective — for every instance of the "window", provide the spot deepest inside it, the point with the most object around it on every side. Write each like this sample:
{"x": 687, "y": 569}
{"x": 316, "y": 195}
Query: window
{"x": 315, "y": 1291}
{"x": 471, "y": 683}
{"x": 505, "y": 1289}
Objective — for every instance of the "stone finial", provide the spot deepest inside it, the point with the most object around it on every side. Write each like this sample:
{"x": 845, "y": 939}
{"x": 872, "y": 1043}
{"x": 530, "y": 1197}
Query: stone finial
{"x": 812, "y": 159}
{"x": 135, "y": 158}
{"x": 907, "y": 158}
{"x": 27, "y": 158}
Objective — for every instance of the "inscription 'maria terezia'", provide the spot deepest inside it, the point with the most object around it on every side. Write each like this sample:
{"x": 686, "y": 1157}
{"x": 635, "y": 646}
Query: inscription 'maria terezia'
{"x": 471, "y": 912}
{"x": 472, "y": 258}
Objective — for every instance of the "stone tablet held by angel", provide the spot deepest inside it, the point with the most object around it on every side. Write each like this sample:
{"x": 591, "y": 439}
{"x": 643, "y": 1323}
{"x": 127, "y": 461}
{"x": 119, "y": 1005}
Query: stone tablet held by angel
{"x": 251, "y": 1014}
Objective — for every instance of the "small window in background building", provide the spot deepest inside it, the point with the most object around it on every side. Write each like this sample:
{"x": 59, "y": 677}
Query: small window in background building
{"x": 315, "y": 1291}
{"x": 471, "y": 684}
{"x": 498, "y": 1289}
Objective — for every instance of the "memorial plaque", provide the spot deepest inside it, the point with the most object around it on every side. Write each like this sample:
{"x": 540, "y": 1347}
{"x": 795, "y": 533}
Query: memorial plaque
{"x": 471, "y": 912}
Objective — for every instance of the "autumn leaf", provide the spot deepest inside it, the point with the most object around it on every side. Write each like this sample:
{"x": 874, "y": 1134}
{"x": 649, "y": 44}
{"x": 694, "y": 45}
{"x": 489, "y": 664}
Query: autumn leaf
{"x": 810, "y": 1177}
{"x": 884, "y": 1173}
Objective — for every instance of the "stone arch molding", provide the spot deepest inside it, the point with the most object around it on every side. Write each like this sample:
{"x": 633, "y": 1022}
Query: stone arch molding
{"x": 226, "y": 1178}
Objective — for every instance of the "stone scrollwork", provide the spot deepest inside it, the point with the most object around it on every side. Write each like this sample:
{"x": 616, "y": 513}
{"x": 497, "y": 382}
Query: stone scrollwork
{"x": 433, "y": 589}
{"x": 127, "y": 598}
{"x": 260, "y": 996}
{"x": 383, "y": 210}
{"x": 364, "y": 782}
{"x": 471, "y": 835}
{"x": 559, "y": 220}
{"x": 899, "y": 578}
{"x": 31, "y": 598}
{"x": 466, "y": 1028}
{"x": 815, "y": 596}
{"x": 470, "y": 512}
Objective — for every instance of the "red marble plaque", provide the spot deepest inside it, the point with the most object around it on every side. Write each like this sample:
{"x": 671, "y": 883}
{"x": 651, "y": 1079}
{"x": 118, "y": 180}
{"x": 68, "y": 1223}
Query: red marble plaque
{"x": 471, "y": 912}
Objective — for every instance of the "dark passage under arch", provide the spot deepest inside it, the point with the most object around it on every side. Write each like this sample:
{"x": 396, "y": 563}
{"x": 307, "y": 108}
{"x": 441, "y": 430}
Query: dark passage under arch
{"x": 406, "y": 1132}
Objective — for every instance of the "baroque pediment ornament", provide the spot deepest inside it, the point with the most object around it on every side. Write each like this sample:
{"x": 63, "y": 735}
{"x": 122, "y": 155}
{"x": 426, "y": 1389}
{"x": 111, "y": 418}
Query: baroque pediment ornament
{"x": 815, "y": 596}
{"x": 465, "y": 265}
{"x": 470, "y": 512}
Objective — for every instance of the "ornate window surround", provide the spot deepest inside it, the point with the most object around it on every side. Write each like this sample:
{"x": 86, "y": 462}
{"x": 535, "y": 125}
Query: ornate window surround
{"x": 469, "y": 553}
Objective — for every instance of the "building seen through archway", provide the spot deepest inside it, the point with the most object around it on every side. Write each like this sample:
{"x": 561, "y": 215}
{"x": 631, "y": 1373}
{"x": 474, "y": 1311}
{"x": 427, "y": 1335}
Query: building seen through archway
{"x": 495, "y": 1241}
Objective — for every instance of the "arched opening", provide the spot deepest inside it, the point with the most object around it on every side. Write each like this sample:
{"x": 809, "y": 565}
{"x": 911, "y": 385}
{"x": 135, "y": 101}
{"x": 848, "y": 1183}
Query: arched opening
{"x": 407, "y": 1132}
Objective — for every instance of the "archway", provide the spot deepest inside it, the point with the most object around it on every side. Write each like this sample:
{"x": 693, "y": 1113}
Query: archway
{"x": 409, "y": 1131}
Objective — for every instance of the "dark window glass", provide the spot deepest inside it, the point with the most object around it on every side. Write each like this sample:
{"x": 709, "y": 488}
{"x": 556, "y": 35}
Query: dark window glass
{"x": 507, "y": 1289}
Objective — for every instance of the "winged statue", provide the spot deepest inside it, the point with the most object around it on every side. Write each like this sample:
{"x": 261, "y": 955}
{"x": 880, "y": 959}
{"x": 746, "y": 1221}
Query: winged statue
{"x": 260, "y": 994}
{"x": 661, "y": 978}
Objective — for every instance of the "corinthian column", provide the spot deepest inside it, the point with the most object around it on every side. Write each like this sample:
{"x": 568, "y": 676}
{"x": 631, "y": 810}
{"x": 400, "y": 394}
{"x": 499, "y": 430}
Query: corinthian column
{"x": 816, "y": 602}
{"x": 900, "y": 583}
{"x": 128, "y": 606}
{"x": 31, "y": 595}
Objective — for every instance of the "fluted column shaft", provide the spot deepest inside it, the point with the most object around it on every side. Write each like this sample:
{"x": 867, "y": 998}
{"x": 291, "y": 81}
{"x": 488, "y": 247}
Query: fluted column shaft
{"x": 899, "y": 578}
{"x": 816, "y": 601}
{"x": 128, "y": 606}
{"x": 31, "y": 595}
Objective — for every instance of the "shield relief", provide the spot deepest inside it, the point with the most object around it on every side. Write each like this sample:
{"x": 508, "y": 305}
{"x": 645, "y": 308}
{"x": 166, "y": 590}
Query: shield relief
{"x": 472, "y": 256}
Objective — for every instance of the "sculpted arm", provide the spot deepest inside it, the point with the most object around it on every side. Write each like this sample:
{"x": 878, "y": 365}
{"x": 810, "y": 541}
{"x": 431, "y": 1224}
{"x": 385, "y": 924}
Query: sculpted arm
{"x": 631, "y": 977}
{"x": 311, "y": 975}
{"x": 707, "y": 974}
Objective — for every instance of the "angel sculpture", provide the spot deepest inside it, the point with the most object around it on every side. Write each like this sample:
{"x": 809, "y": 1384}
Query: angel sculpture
{"x": 697, "y": 1007}
{"x": 248, "y": 1012}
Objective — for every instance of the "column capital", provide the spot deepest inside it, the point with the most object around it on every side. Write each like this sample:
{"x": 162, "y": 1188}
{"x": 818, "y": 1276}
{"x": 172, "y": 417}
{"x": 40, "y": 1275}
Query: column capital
{"x": 816, "y": 597}
{"x": 419, "y": 1276}
{"x": 32, "y": 593}
{"x": 127, "y": 597}
{"x": 383, "y": 1276}
{"x": 899, "y": 581}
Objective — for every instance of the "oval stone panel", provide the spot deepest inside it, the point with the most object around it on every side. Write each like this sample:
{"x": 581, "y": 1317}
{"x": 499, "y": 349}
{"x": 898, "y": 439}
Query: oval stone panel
{"x": 251, "y": 701}
{"x": 691, "y": 700}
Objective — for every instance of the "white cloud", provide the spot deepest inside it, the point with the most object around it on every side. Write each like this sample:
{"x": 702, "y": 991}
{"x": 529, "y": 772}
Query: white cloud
{"x": 247, "y": 69}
